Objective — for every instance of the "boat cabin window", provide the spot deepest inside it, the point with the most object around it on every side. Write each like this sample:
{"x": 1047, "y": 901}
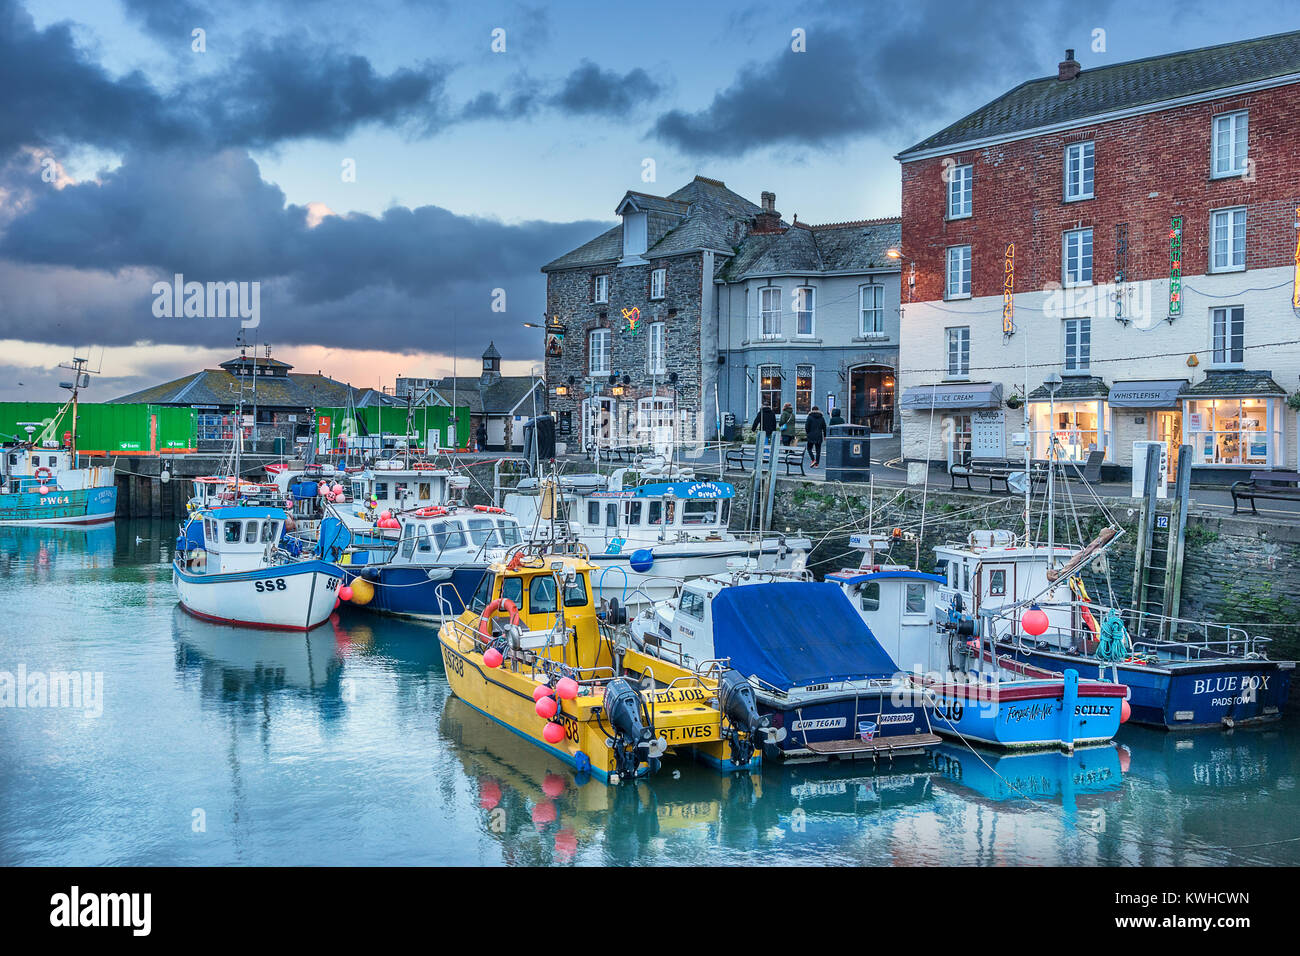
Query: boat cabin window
{"x": 480, "y": 530}
{"x": 593, "y": 512}
{"x": 611, "y": 515}
{"x": 632, "y": 512}
{"x": 692, "y": 603}
{"x": 699, "y": 512}
{"x": 408, "y": 540}
{"x": 381, "y": 490}
{"x": 508, "y": 533}
{"x": 482, "y": 593}
{"x": 915, "y": 599}
{"x": 998, "y": 582}
{"x": 426, "y": 538}
{"x": 869, "y": 596}
{"x": 399, "y": 491}
{"x": 448, "y": 534}
{"x": 965, "y": 576}
{"x": 661, "y": 512}
{"x": 358, "y": 490}
{"x": 269, "y": 531}
{"x": 251, "y": 529}
{"x": 209, "y": 529}
{"x": 512, "y": 589}
{"x": 424, "y": 491}
{"x": 234, "y": 530}
{"x": 541, "y": 595}
{"x": 575, "y": 592}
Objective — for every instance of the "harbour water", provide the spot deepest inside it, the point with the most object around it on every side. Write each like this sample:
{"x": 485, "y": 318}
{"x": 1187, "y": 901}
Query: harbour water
{"x": 214, "y": 745}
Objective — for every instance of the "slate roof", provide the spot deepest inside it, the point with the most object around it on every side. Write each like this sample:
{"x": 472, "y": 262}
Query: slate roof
{"x": 1073, "y": 388}
{"x": 501, "y": 397}
{"x": 1218, "y": 382}
{"x": 801, "y": 250}
{"x": 703, "y": 214}
{"x": 1048, "y": 101}
{"x": 216, "y": 386}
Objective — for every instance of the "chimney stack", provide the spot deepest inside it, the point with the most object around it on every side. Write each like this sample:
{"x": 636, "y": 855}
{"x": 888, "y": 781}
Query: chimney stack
{"x": 1068, "y": 68}
{"x": 769, "y": 220}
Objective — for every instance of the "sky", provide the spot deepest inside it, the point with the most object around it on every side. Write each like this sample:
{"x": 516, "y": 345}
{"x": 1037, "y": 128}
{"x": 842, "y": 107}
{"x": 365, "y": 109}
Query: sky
{"x": 390, "y": 176}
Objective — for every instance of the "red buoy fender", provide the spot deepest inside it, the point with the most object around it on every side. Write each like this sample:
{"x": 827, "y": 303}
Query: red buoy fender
{"x": 485, "y": 628}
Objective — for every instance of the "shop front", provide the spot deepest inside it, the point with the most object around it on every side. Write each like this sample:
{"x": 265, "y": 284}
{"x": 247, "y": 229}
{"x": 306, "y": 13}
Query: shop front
{"x": 967, "y": 417}
{"x": 1233, "y": 420}
{"x": 1077, "y": 413}
{"x": 1156, "y": 407}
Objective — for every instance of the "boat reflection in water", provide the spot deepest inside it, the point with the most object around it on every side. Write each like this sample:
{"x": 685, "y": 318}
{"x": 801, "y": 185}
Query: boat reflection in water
{"x": 1078, "y": 778}
{"x": 69, "y": 548}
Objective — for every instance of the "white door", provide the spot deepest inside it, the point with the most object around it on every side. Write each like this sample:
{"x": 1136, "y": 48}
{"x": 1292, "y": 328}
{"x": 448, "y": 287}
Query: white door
{"x": 655, "y": 422}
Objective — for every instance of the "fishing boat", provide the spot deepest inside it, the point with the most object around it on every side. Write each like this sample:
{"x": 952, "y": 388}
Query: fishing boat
{"x": 971, "y": 693}
{"x": 1038, "y": 614}
{"x": 41, "y": 479}
{"x": 816, "y": 668}
{"x": 246, "y": 572}
{"x": 434, "y": 565}
{"x": 531, "y": 653}
{"x": 645, "y": 539}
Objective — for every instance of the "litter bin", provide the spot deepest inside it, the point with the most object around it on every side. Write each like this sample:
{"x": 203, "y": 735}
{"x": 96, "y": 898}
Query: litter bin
{"x": 848, "y": 453}
{"x": 729, "y": 430}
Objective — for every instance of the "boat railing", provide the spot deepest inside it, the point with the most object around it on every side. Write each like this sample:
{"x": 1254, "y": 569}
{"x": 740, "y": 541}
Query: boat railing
{"x": 1225, "y": 640}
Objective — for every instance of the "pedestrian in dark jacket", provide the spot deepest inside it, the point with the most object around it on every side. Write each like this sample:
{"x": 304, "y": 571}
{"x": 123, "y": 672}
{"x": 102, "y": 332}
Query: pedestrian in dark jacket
{"x": 766, "y": 421}
{"x": 787, "y": 424}
{"x": 814, "y": 427}
{"x": 480, "y": 437}
{"x": 836, "y": 417}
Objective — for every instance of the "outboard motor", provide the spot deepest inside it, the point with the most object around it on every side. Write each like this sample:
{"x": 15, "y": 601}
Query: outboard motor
{"x": 632, "y": 738}
{"x": 744, "y": 725}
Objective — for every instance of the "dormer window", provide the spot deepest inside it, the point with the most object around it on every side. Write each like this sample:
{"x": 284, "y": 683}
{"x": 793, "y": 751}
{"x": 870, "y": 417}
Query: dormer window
{"x": 634, "y": 236}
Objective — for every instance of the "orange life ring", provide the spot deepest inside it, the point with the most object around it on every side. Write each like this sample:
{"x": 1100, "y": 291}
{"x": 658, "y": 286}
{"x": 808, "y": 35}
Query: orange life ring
{"x": 485, "y": 628}
{"x": 43, "y": 472}
{"x": 489, "y": 509}
{"x": 433, "y": 512}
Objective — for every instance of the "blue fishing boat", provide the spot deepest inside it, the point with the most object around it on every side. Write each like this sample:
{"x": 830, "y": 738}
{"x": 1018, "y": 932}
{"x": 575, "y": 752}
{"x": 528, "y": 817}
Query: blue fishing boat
{"x": 1215, "y": 675}
{"x": 816, "y": 668}
{"x": 436, "y": 564}
{"x": 971, "y": 694}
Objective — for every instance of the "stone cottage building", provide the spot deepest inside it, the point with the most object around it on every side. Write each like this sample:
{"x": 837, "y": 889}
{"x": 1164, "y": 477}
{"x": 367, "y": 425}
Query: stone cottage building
{"x": 701, "y": 303}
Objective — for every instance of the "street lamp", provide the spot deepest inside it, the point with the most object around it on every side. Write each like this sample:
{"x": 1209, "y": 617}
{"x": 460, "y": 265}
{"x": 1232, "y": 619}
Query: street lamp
{"x": 897, "y": 254}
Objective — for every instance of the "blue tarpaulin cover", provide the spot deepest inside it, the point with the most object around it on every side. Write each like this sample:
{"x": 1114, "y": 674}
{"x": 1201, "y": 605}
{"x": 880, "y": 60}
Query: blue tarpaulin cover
{"x": 796, "y": 633}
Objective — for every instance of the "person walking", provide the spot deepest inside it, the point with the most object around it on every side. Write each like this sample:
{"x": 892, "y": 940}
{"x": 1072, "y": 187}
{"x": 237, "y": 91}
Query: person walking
{"x": 766, "y": 421}
{"x": 787, "y": 424}
{"x": 814, "y": 427}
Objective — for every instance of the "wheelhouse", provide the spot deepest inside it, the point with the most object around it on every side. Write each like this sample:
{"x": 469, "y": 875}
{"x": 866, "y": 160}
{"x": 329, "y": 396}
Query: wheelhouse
{"x": 455, "y": 536}
{"x": 239, "y": 539}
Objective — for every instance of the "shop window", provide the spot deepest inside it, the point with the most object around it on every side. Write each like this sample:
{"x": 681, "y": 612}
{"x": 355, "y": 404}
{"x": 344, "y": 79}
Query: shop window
{"x": 1079, "y": 428}
{"x": 769, "y": 386}
{"x": 803, "y": 389}
{"x": 1233, "y": 431}
{"x": 959, "y": 444}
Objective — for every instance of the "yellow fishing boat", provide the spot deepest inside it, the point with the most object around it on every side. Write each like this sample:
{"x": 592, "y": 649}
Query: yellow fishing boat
{"x": 532, "y": 653}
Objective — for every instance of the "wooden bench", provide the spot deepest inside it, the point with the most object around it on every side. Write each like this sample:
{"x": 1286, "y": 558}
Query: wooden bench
{"x": 1275, "y": 485}
{"x": 623, "y": 453}
{"x": 995, "y": 470}
{"x": 742, "y": 458}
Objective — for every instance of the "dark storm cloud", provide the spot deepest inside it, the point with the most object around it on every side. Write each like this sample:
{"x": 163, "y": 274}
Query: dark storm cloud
{"x": 394, "y": 281}
{"x": 275, "y": 90}
{"x": 591, "y": 90}
{"x": 902, "y": 75}
{"x": 168, "y": 18}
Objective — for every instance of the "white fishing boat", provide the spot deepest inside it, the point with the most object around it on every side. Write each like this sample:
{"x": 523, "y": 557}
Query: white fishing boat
{"x": 645, "y": 539}
{"x": 246, "y": 572}
{"x": 816, "y": 669}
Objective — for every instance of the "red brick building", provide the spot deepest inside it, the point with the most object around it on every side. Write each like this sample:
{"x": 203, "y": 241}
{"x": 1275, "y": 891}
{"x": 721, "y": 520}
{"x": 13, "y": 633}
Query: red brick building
{"x": 1136, "y": 223}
